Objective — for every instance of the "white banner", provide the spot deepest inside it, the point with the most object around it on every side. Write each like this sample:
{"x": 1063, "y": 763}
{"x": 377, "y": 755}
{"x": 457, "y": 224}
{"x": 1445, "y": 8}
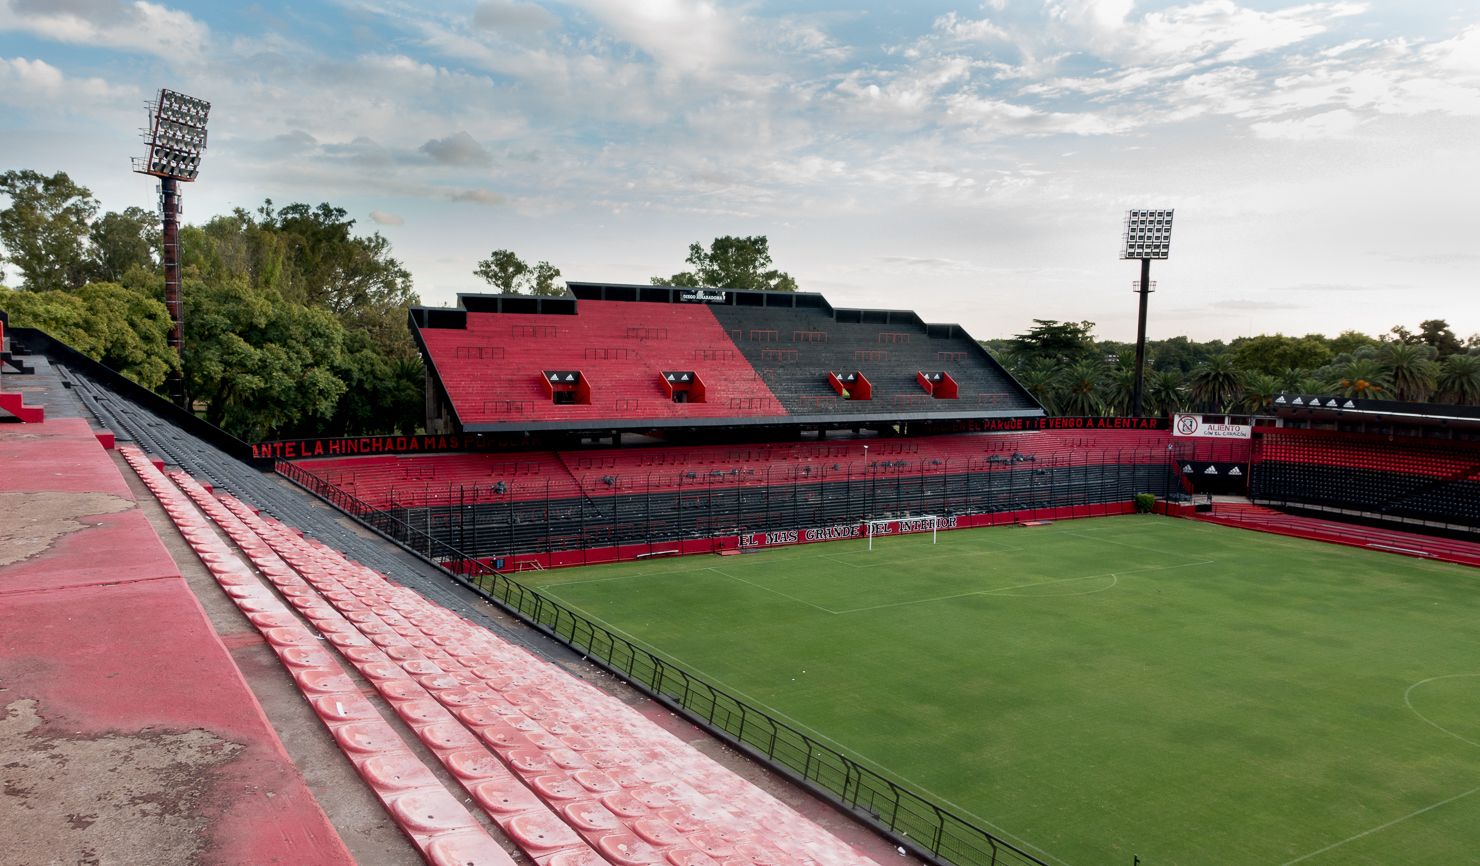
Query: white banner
{"x": 1193, "y": 425}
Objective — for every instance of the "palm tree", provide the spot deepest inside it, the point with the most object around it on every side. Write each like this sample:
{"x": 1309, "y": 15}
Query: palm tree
{"x": 1080, "y": 388}
{"x": 1410, "y": 369}
{"x": 1361, "y": 377}
{"x": 1120, "y": 390}
{"x": 1310, "y": 384}
{"x": 1164, "y": 392}
{"x": 1459, "y": 380}
{"x": 1290, "y": 380}
{"x": 1042, "y": 381}
{"x": 1259, "y": 391}
{"x": 1214, "y": 383}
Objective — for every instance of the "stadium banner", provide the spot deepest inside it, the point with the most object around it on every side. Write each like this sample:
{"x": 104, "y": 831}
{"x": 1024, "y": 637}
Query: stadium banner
{"x": 838, "y": 532}
{"x": 359, "y": 446}
{"x": 1193, "y": 426}
{"x": 1008, "y": 425}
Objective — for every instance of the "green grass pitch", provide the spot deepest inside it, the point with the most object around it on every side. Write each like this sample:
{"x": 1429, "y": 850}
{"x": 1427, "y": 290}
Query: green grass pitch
{"x": 1098, "y": 689}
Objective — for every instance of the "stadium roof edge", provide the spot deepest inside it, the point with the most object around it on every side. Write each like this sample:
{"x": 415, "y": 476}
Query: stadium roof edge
{"x": 504, "y": 302}
{"x": 1291, "y": 405}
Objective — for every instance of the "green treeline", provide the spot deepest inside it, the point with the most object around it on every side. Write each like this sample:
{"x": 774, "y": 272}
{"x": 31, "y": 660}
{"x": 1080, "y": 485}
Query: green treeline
{"x": 1075, "y": 374}
{"x": 295, "y": 325}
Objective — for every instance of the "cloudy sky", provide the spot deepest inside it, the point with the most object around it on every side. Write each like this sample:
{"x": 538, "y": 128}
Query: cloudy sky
{"x": 970, "y": 161}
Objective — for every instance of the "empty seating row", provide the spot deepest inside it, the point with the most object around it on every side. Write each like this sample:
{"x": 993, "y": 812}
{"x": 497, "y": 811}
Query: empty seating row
{"x": 619, "y": 352}
{"x": 436, "y": 822}
{"x": 669, "y": 514}
{"x": 1436, "y": 480}
{"x": 572, "y": 775}
{"x": 795, "y": 349}
{"x": 471, "y": 479}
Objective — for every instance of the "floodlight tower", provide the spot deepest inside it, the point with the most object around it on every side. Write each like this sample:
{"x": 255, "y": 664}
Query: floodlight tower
{"x": 1148, "y": 235}
{"x": 175, "y": 138}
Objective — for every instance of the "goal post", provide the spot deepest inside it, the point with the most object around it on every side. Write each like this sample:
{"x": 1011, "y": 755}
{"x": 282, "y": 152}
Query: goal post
{"x": 908, "y": 524}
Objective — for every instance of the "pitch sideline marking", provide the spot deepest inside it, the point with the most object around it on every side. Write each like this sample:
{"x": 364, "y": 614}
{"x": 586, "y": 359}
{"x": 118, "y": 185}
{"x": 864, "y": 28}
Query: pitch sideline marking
{"x": 544, "y": 587}
{"x": 1380, "y": 828}
{"x": 769, "y": 589}
{"x": 1425, "y": 719}
{"x": 812, "y": 732}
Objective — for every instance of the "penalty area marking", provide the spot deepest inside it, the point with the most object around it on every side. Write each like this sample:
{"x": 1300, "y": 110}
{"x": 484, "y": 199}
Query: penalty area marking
{"x": 1007, "y": 590}
{"x": 1407, "y": 694}
{"x": 1379, "y": 828}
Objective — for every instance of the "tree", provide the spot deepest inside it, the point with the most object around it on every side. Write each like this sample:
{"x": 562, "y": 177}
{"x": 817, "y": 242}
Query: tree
{"x": 328, "y": 266}
{"x": 1459, "y": 380}
{"x": 503, "y": 270}
{"x": 45, "y": 228}
{"x": 120, "y": 241}
{"x": 1180, "y": 353}
{"x": 1164, "y": 392}
{"x": 732, "y": 263}
{"x": 1042, "y": 381}
{"x": 511, "y": 275}
{"x": 1215, "y": 383}
{"x": 1349, "y": 341}
{"x": 1120, "y": 390}
{"x": 126, "y": 328}
{"x": 1271, "y": 354}
{"x": 542, "y": 281}
{"x": 1410, "y": 369}
{"x": 1360, "y": 376}
{"x": 1437, "y": 333}
{"x": 382, "y": 392}
{"x": 1052, "y": 340}
{"x": 1080, "y": 386}
{"x": 265, "y": 366}
{"x": 1259, "y": 391}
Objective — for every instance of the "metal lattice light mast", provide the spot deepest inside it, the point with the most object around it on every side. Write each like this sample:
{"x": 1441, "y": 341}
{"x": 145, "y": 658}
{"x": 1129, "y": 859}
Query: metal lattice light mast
{"x": 1148, "y": 235}
{"x": 175, "y": 137}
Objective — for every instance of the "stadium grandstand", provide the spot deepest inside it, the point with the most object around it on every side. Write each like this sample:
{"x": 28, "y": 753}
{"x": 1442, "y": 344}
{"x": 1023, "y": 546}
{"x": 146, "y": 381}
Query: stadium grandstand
{"x": 423, "y": 691}
{"x": 639, "y": 358}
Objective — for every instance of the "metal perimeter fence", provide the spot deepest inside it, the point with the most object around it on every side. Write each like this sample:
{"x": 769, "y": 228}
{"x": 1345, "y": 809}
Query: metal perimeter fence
{"x": 928, "y": 830}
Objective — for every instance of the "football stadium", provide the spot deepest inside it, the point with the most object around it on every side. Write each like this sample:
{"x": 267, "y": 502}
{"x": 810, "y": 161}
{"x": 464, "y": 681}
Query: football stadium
{"x": 316, "y": 552}
{"x": 843, "y": 548}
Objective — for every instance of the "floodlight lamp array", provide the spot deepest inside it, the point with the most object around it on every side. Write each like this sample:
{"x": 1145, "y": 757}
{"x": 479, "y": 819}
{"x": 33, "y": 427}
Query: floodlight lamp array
{"x": 176, "y": 136}
{"x": 1148, "y": 234}
{"x": 183, "y": 109}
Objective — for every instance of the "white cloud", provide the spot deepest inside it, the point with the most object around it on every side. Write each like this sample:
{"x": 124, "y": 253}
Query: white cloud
{"x": 475, "y": 196}
{"x": 34, "y": 83}
{"x": 1462, "y": 53}
{"x": 683, "y": 36}
{"x": 1340, "y": 123}
{"x": 953, "y": 26}
{"x": 456, "y": 149}
{"x": 139, "y": 26}
{"x": 507, "y": 17}
{"x": 997, "y": 118}
{"x": 638, "y": 128}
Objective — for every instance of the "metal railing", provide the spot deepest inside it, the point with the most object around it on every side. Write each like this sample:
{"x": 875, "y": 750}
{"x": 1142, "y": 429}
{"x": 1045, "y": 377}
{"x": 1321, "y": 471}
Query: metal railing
{"x": 903, "y": 815}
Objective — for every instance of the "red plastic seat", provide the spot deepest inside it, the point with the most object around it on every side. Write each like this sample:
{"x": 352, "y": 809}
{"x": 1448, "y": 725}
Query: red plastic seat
{"x": 541, "y": 831}
{"x": 626, "y": 849}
